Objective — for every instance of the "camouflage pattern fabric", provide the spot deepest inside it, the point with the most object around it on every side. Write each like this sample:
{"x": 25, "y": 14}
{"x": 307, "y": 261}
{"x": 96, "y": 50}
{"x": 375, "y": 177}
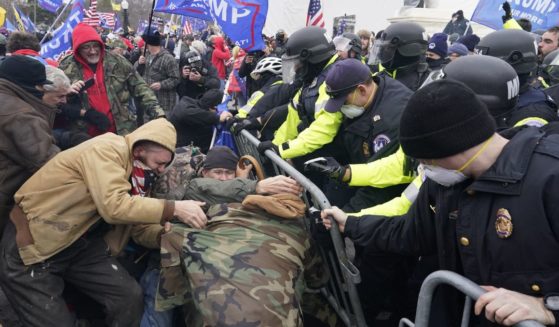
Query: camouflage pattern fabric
{"x": 244, "y": 269}
{"x": 172, "y": 184}
{"x": 122, "y": 82}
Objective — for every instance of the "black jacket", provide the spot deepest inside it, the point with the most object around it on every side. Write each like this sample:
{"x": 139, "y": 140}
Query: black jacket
{"x": 532, "y": 103}
{"x": 274, "y": 96}
{"x": 459, "y": 223}
{"x": 412, "y": 75}
{"x": 195, "y": 89}
{"x": 193, "y": 123}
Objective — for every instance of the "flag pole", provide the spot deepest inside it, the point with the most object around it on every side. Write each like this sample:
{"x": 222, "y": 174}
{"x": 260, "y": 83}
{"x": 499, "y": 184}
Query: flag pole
{"x": 149, "y": 24}
{"x": 55, "y": 21}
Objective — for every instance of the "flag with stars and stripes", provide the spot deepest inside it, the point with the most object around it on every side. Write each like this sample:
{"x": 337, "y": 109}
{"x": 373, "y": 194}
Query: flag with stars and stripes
{"x": 315, "y": 16}
{"x": 91, "y": 15}
{"x": 107, "y": 20}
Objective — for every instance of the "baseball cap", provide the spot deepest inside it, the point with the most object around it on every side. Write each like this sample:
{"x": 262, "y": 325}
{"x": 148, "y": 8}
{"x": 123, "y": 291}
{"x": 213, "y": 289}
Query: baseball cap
{"x": 342, "y": 79}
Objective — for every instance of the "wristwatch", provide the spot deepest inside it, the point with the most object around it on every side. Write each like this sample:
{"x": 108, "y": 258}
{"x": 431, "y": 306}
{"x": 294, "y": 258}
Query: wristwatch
{"x": 551, "y": 303}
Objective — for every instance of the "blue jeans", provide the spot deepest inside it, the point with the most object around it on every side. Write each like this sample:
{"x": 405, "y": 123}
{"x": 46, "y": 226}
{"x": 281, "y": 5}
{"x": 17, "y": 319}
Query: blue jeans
{"x": 152, "y": 318}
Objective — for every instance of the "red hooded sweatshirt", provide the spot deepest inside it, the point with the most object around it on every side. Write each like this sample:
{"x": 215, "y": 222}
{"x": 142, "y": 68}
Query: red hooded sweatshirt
{"x": 219, "y": 56}
{"x": 97, "y": 94}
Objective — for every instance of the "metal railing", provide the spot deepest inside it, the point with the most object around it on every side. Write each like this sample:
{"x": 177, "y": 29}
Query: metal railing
{"x": 443, "y": 277}
{"x": 341, "y": 291}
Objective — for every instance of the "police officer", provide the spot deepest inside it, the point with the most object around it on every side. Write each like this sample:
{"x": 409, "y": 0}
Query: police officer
{"x": 197, "y": 76}
{"x": 484, "y": 208}
{"x": 268, "y": 73}
{"x": 401, "y": 50}
{"x": 308, "y": 127}
{"x": 549, "y": 73}
{"x": 348, "y": 45}
{"x": 519, "y": 49}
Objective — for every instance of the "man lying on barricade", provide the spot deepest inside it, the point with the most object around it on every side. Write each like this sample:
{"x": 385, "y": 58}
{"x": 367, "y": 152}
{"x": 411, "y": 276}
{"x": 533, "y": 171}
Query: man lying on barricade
{"x": 252, "y": 261}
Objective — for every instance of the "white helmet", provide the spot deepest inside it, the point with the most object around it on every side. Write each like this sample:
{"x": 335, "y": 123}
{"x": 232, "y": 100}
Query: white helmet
{"x": 267, "y": 64}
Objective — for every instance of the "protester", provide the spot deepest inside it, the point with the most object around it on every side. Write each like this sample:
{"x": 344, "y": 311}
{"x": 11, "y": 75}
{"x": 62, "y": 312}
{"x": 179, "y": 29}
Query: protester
{"x": 110, "y": 94}
{"x": 366, "y": 43}
{"x": 458, "y": 24}
{"x": 195, "y": 119}
{"x": 220, "y": 55}
{"x": 549, "y": 42}
{"x": 27, "y": 44}
{"x": 437, "y": 51}
{"x": 160, "y": 70}
{"x": 457, "y": 50}
{"x": 470, "y": 41}
{"x": 3, "y": 41}
{"x": 88, "y": 188}
{"x": 247, "y": 66}
{"x": 197, "y": 75}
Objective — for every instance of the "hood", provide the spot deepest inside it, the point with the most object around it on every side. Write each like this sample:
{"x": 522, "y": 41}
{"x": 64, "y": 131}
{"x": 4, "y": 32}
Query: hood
{"x": 84, "y": 33}
{"x": 218, "y": 42}
{"x": 160, "y": 131}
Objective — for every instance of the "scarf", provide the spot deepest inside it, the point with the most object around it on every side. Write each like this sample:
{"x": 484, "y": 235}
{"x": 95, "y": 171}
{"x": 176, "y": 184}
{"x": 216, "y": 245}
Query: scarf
{"x": 142, "y": 179}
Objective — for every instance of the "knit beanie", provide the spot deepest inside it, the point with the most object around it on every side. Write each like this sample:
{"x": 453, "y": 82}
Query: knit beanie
{"x": 438, "y": 45}
{"x": 211, "y": 98}
{"x": 151, "y": 36}
{"x": 470, "y": 41}
{"x": 458, "y": 48}
{"x": 221, "y": 157}
{"x": 442, "y": 119}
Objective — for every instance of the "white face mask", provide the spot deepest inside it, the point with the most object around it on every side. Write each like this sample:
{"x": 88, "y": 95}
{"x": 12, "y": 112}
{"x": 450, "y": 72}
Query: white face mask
{"x": 352, "y": 111}
{"x": 443, "y": 176}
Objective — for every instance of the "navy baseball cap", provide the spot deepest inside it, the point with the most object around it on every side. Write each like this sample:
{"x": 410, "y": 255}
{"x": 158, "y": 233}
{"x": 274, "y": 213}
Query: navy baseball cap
{"x": 342, "y": 79}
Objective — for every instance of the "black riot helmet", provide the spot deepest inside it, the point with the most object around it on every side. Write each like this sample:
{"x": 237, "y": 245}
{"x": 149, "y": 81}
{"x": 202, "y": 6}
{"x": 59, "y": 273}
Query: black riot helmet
{"x": 517, "y": 47}
{"x": 306, "y": 47}
{"x": 550, "y": 67}
{"x": 400, "y": 44}
{"x": 192, "y": 59}
{"x": 493, "y": 80}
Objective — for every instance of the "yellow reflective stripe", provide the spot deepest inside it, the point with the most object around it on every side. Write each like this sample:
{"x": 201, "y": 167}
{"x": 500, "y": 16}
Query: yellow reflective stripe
{"x": 543, "y": 82}
{"x": 395, "y": 207}
{"x": 512, "y": 24}
{"x": 532, "y": 121}
{"x": 288, "y": 130}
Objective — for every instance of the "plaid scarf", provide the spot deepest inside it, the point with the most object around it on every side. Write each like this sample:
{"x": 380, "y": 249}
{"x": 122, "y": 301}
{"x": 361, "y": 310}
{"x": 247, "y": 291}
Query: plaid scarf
{"x": 142, "y": 179}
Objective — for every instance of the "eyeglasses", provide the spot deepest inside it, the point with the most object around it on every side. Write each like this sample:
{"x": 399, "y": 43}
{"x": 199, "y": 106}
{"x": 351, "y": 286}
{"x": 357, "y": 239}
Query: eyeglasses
{"x": 90, "y": 46}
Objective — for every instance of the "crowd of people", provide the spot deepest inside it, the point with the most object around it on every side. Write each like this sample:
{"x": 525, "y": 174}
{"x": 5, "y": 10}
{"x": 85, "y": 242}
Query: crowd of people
{"x": 437, "y": 152}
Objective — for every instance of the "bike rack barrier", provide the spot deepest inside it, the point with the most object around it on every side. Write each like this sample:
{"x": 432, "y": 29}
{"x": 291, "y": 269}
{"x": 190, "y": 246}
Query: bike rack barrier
{"x": 443, "y": 277}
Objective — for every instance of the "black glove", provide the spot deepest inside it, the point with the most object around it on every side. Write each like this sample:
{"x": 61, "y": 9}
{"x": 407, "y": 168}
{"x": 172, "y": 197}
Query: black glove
{"x": 267, "y": 145}
{"x": 71, "y": 110}
{"x": 328, "y": 166}
{"x": 508, "y": 12}
{"x": 248, "y": 124}
{"x": 97, "y": 119}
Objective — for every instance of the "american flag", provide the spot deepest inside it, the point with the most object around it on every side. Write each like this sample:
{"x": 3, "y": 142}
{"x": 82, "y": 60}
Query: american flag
{"x": 315, "y": 17}
{"x": 186, "y": 27}
{"x": 91, "y": 15}
{"x": 107, "y": 20}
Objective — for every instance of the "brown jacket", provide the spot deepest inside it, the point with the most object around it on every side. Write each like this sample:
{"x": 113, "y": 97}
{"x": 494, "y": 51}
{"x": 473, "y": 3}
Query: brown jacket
{"x": 86, "y": 183}
{"x": 26, "y": 141}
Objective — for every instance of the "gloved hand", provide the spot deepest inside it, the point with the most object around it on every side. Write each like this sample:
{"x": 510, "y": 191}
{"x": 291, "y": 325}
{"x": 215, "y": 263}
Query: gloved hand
{"x": 508, "y": 12}
{"x": 71, "y": 110}
{"x": 248, "y": 124}
{"x": 267, "y": 145}
{"x": 328, "y": 166}
{"x": 97, "y": 119}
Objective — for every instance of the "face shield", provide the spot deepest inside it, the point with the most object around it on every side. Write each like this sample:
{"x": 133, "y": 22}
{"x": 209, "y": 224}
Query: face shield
{"x": 341, "y": 43}
{"x": 289, "y": 67}
{"x": 552, "y": 70}
{"x": 385, "y": 50}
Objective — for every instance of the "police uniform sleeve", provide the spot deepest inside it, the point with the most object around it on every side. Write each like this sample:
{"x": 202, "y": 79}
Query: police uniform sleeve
{"x": 288, "y": 130}
{"x": 381, "y": 173}
{"x": 410, "y": 234}
{"x": 321, "y": 132}
{"x": 512, "y": 24}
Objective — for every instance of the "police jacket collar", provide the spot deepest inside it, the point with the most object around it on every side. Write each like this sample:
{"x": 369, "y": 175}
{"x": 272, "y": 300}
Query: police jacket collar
{"x": 506, "y": 174}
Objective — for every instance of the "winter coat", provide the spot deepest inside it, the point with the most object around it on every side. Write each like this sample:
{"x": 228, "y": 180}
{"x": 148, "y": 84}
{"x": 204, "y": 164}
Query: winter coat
{"x": 163, "y": 68}
{"x": 220, "y": 55}
{"x": 121, "y": 83}
{"x": 26, "y": 141}
{"x": 193, "y": 123}
{"x": 84, "y": 184}
{"x": 195, "y": 90}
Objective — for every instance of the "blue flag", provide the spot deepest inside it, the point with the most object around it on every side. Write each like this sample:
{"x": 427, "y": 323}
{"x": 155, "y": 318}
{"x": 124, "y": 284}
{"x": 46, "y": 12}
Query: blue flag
{"x": 50, "y": 5}
{"x": 9, "y": 26}
{"x": 242, "y": 21}
{"x": 62, "y": 37}
{"x": 25, "y": 24}
{"x": 542, "y": 14}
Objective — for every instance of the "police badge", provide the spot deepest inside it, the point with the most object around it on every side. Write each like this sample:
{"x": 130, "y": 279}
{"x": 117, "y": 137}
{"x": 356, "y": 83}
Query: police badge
{"x": 503, "y": 223}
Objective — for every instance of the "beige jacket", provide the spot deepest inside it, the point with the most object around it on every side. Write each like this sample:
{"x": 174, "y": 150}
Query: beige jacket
{"x": 81, "y": 185}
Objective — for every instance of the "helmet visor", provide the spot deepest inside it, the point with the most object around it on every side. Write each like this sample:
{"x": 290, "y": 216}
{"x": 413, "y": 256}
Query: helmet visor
{"x": 341, "y": 43}
{"x": 289, "y": 67}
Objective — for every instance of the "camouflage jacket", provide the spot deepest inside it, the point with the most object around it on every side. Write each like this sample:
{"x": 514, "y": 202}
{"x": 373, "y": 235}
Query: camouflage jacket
{"x": 244, "y": 269}
{"x": 122, "y": 82}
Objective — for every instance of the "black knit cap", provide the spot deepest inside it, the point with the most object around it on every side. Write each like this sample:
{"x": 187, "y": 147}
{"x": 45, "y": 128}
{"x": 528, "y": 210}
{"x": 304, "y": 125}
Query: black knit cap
{"x": 221, "y": 157}
{"x": 442, "y": 119}
{"x": 211, "y": 98}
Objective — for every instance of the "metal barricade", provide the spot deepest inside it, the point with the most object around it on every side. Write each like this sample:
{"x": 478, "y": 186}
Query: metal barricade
{"x": 341, "y": 291}
{"x": 472, "y": 291}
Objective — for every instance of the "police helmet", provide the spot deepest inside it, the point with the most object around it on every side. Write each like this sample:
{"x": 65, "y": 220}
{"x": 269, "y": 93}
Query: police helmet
{"x": 517, "y": 47}
{"x": 404, "y": 39}
{"x": 493, "y": 80}
{"x": 550, "y": 67}
{"x": 348, "y": 42}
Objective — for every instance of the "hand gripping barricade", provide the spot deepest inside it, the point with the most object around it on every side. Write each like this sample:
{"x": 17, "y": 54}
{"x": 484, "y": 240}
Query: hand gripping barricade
{"x": 341, "y": 290}
{"x": 471, "y": 290}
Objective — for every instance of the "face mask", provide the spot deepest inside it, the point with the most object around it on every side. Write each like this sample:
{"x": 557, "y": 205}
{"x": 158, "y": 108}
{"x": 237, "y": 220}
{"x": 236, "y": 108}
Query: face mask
{"x": 352, "y": 111}
{"x": 443, "y": 176}
{"x": 434, "y": 63}
{"x": 448, "y": 177}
